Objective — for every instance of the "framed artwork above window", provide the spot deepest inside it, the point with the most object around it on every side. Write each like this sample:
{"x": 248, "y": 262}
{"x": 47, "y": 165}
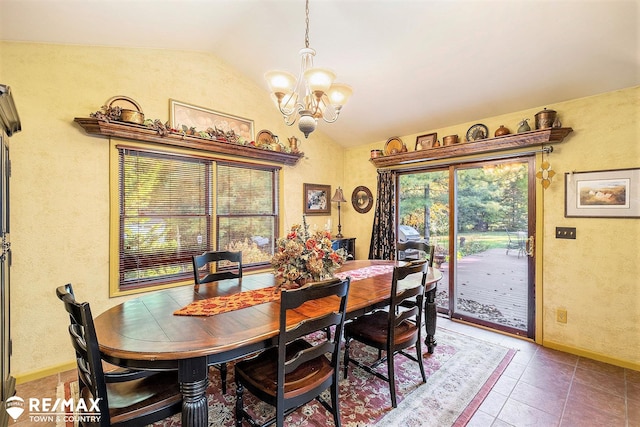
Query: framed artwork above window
{"x": 200, "y": 119}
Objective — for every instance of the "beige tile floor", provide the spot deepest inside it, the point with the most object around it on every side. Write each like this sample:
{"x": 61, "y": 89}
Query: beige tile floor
{"x": 541, "y": 387}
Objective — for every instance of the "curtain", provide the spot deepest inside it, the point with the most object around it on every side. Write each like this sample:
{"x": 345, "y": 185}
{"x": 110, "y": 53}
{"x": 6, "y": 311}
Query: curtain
{"x": 383, "y": 235}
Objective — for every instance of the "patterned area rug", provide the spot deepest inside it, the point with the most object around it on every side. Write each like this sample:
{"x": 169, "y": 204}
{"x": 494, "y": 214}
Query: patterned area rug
{"x": 460, "y": 374}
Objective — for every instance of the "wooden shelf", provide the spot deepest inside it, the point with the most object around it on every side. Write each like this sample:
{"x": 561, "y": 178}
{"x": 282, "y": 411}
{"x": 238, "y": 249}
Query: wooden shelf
{"x": 143, "y": 133}
{"x": 502, "y": 143}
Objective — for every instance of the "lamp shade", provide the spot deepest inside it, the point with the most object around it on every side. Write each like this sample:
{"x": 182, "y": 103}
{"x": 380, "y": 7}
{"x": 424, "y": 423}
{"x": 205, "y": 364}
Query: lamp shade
{"x": 338, "y": 196}
{"x": 319, "y": 79}
{"x": 280, "y": 81}
{"x": 339, "y": 94}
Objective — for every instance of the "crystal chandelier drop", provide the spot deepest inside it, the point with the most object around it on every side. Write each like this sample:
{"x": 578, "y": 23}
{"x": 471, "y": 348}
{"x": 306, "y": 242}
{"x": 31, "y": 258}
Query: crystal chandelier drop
{"x": 312, "y": 95}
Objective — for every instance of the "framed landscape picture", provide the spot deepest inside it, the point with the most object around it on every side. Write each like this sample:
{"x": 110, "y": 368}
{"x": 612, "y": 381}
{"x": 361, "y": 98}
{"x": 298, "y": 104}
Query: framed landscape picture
{"x": 602, "y": 194}
{"x": 200, "y": 118}
{"x": 316, "y": 199}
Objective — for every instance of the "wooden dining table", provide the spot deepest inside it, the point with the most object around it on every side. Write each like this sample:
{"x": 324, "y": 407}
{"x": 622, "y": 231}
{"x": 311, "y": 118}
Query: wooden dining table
{"x": 144, "y": 333}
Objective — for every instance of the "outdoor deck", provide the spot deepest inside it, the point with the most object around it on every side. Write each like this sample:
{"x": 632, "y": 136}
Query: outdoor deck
{"x": 491, "y": 286}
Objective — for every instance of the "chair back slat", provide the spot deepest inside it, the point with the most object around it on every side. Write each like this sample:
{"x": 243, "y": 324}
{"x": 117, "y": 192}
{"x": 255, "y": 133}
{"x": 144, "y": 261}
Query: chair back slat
{"x": 85, "y": 343}
{"x": 294, "y": 299}
{"x": 203, "y": 271}
{"x": 410, "y": 288}
{"x": 420, "y": 247}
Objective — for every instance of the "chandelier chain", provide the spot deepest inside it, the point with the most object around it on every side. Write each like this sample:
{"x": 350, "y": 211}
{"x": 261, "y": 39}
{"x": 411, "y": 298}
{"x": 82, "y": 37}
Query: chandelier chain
{"x": 306, "y": 36}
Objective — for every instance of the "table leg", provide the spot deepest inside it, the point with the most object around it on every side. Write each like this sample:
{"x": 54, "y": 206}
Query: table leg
{"x": 431, "y": 315}
{"x": 193, "y": 377}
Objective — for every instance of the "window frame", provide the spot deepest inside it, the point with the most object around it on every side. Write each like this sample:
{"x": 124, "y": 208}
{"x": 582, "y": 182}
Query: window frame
{"x": 115, "y": 197}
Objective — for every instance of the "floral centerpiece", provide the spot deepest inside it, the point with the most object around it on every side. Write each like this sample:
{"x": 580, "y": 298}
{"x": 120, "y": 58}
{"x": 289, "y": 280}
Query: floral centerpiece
{"x": 304, "y": 256}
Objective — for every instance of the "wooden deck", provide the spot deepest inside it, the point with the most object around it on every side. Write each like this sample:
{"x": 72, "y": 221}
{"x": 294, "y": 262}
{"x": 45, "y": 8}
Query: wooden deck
{"x": 491, "y": 286}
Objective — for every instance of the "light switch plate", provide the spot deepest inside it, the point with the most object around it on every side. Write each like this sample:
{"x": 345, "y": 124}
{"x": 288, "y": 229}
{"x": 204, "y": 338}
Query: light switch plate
{"x": 565, "y": 232}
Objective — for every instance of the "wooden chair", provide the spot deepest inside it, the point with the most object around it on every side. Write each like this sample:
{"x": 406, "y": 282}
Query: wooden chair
{"x": 419, "y": 247}
{"x": 203, "y": 273}
{"x": 112, "y": 373}
{"x": 392, "y": 330}
{"x": 132, "y": 401}
{"x": 295, "y": 372}
{"x": 207, "y": 274}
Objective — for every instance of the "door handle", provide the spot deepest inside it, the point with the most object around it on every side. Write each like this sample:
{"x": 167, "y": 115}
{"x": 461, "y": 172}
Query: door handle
{"x": 530, "y": 246}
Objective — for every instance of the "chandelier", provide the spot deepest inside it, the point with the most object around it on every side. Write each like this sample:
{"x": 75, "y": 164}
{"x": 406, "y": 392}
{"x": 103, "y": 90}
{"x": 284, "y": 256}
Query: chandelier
{"x": 312, "y": 95}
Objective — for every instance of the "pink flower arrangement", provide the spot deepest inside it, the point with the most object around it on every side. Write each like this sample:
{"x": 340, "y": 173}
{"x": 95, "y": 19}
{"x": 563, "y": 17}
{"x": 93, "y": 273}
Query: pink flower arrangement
{"x": 302, "y": 256}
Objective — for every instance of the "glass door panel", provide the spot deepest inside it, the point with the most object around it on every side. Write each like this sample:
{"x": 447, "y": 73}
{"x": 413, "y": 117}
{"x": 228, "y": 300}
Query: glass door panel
{"x": 492, "y": 284}
{"x": 423, "y": 212}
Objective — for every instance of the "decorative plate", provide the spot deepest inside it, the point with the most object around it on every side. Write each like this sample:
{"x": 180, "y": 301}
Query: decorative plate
{"x": 264, "y": 138}
{"x": 477, "y": 132}
{"x": 393, "y": 146}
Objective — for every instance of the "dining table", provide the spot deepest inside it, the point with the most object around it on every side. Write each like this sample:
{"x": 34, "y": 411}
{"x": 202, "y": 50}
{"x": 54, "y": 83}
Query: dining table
{"x": 146, "y": 333}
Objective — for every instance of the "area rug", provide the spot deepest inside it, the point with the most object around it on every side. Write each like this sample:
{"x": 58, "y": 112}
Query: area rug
{"x": 460, "y": 374}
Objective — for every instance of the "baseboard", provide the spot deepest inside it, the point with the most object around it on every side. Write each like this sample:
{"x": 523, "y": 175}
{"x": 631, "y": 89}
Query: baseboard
{"x": 591, "y": 355}
{"x": 42, "y": 373}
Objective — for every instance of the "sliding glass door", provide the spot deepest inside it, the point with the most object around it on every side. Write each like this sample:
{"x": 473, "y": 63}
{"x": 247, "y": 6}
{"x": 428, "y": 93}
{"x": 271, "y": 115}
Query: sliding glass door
{"x": 481, "y": 218}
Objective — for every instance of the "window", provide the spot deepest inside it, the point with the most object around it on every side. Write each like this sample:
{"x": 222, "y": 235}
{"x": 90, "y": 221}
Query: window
{"x": 246, "y": 211}
{"x": 173, "y": 206}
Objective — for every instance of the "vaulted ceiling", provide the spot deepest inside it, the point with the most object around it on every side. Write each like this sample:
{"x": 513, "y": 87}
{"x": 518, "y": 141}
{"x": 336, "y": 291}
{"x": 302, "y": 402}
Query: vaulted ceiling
{"x": 414, "y": 65}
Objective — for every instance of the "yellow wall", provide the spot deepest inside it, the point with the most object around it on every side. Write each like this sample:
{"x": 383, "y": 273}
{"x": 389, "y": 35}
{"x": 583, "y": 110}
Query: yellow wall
{"x": 60, "y": 203}
{"x": 60, "y": 175}
{"x": 596, "y": 277}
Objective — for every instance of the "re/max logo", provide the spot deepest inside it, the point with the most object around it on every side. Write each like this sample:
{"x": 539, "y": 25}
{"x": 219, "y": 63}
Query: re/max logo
{"x": 48, "y": 404}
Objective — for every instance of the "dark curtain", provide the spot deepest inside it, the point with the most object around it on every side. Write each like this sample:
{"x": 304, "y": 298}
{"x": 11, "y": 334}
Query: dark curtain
{"x": 383, "y": 235}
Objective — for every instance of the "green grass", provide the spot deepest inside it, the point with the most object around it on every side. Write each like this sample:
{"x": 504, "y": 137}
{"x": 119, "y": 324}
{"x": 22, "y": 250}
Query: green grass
{"x": 489, "y": 240}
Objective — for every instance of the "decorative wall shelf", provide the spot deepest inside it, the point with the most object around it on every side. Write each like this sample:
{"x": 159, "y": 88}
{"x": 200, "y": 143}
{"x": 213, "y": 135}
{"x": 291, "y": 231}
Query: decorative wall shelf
{"x": 143, "y": 133}
{"x": 502, "y": 143}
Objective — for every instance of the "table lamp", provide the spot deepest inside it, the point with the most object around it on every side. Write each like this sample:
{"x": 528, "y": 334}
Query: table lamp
{"x": 338, "y": 198}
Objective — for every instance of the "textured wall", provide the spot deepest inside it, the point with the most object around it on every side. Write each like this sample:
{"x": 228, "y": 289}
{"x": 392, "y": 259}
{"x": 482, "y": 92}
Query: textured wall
{"x": 60, "y": 182}
{"x": 60, "y": 191}
{"x": 596, "y": 277}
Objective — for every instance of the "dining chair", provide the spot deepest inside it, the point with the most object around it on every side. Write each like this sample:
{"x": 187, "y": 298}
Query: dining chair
{"x": 295, "y": 371}
{"x": 420, "y": 247}
{"x": 125, "y": 402}
{"x": 392, "y": 330}
{"x": 205, "y": 272}
{"x": 113, "y": 373}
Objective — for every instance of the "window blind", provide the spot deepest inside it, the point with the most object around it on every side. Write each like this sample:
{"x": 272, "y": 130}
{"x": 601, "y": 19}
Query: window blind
{"x": 165, "y": 216}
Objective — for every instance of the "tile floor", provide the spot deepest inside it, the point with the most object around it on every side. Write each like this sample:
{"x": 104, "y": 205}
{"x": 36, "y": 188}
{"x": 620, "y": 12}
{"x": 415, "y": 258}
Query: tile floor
{"x": 540, "y": 387}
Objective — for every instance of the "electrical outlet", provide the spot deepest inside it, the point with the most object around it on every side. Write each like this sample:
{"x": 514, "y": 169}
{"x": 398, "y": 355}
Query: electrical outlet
{"x": 565, "y": 232}
{"x": 561, "y": 315}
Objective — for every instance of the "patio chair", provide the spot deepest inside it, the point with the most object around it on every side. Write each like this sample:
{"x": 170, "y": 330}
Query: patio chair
{"x": 516, "y": 242}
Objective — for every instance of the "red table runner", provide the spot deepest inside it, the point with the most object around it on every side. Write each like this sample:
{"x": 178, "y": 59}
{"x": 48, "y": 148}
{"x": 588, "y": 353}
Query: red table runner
{"x": 223, "y": 304}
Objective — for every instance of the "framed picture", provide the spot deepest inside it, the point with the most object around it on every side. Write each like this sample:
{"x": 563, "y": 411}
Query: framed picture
{"x": 426, "y": 141}
{"x": 603, "y": 194}
{"x": 191, "y": 116}
{"x": 316, "y": 199}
